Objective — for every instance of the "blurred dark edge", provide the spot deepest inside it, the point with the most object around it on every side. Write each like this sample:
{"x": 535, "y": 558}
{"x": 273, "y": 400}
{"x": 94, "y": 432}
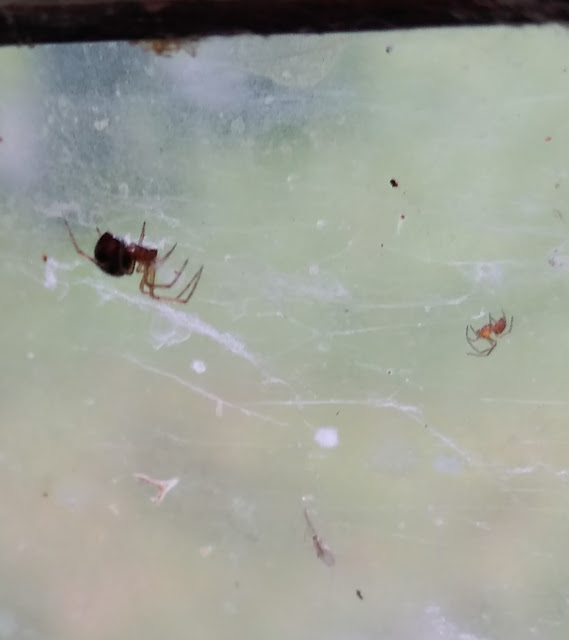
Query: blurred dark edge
{"x": 41, "y": 21}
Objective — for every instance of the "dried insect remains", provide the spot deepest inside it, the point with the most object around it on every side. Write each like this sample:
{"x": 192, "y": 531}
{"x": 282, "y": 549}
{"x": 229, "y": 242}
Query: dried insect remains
{"x": 322, "y": 551}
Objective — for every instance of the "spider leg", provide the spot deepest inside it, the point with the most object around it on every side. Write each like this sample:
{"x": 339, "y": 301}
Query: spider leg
{"x": 469, "y": 326}
{"x": 479, "y": 354}
{"x": 476, "y": 349}
{"x": 472, "y": 340}
{"x": 77, "y": 248}
{"x": 142, "y": 232}
{"x": 168, "y": 285}
{"x": 483, "y": 352}
{"x": 191, "y": 286}
{"x": 148, "y": 281}
{"x": 163, "y": 259}
{"x": 505, "y": 333}
{"x": 471, "y": 343}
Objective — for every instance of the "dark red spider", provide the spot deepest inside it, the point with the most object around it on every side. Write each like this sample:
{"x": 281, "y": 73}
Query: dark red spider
{"x": 117, "y": 258}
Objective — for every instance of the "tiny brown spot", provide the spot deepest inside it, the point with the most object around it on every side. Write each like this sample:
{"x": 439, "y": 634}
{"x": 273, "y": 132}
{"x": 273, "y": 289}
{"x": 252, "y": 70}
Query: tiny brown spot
{"x": 393, "y": 182}
{"x": 44, "y": 257}
{"x": 402, "y": 216}
{"x": 45, "y": 494}
{"x": 547, "y": 138}
{"x": 359, "y": 594}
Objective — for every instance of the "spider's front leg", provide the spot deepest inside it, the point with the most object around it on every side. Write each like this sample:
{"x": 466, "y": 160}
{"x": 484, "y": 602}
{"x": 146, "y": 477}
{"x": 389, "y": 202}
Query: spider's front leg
{"x": 147, "y": 280}
{"x": 505, "y": 333}
{"x": 483, "y": 352}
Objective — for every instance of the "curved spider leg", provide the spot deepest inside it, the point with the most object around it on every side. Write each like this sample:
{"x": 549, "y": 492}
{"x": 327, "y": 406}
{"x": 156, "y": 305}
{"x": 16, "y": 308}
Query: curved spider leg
{"x": 148, "y": 284}
{"x": 142, "y": 232}
{"x": 147, "y": 280}
{"x": 474, "y": 333}
{"x": 165, "y": 257}
{"x": 472, "y": 345}
{"x": 192, "y": 284}
{"x": 484, "y": 352}
{"x": 505, "y": 333}
{"x": 488, "y": 351}
{"x": 77, "y": 248}
{"x": 173, "y": 282}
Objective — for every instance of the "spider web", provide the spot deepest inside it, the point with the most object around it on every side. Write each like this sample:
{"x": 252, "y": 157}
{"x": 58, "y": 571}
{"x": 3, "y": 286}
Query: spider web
{"x": 321, "y": 362}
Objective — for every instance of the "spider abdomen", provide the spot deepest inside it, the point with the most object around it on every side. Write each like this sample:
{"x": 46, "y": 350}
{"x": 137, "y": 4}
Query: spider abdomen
{"x": 112, "y": 256}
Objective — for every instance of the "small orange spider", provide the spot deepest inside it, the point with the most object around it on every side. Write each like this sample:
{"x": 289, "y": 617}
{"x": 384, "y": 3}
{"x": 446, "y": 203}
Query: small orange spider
{"x": 496, "y": 328}
{"x": 117, "y": 258}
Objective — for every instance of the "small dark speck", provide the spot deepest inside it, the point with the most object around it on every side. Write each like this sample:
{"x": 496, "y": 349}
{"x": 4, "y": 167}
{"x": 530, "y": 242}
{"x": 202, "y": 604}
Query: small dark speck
{"x": 389, "y": 372}
{"x": 359, "y": 594}
{"x": 45, "y": 494}
{"x": 426, "y": 426}
{"x": 44, "y": 257}
{"x": 393, "y": 182}
{"x": 388, "y": 49}
{"x": 346, "y": 311}
{"x": 236, "y": 584}
{"x": 338, "y": 412}
{"x": 382, "y": 245}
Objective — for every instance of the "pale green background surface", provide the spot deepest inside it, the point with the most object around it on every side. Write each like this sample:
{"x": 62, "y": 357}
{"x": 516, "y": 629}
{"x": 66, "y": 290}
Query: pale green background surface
{"x": 445, "y": 500}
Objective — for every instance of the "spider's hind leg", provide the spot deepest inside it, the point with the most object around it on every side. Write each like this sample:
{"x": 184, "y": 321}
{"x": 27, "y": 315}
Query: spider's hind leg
{"x": 191, "y": 286}
{"x": 483, "y": 352}
{"x": 170, "y": 284}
